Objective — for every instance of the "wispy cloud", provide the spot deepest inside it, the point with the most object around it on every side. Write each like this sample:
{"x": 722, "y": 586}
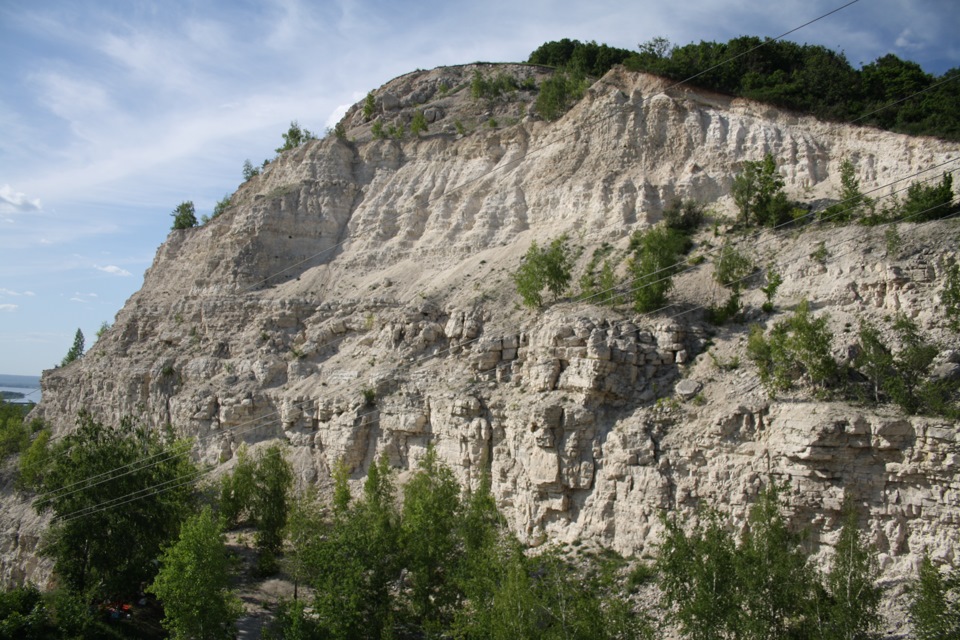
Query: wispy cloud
{"x": 10, "y": 292}
{"x": 15, "y": 202}
{"x": 8, "y": 307}
{"x": 113, "y": 269}
{"x": 83, "y": 298}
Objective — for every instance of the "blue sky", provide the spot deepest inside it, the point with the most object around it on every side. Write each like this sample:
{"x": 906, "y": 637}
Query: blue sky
{"x": 113, "y": 112}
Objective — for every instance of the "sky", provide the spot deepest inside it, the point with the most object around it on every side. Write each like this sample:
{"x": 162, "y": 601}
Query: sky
{"x": 112, "y": 112}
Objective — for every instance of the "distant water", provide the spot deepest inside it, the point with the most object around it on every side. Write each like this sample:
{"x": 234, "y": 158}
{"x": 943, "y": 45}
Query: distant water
{"x": 29, "y": 386}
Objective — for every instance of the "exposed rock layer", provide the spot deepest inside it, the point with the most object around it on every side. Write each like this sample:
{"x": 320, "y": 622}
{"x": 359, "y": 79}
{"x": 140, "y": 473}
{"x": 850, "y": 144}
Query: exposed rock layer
{"x": 355, "y": 300}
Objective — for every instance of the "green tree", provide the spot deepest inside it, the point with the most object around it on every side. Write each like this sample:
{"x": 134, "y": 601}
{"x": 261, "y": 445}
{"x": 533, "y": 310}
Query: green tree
{"x": 76, "y": 351}
{"x": 237, "y": 489}
{"x": 950, "y": 296}
{"x": 853, "y": 204}
{"x": 852, "y": 611}
{"x": 273, "y": 479}
{"x": 428, "y": 537}
{"x": 656, "y": 258}
{"x": 732, "y": 267}
{"x": 935, "y": 602}
{"x": 798, "y": 347}
{"x": 758, "y": 193}
{"x": 697, "y": 576}
{"x": 369, "y": 106}
{"x": 109, "y": 519}
{"x": 249, "y": 171}
{"x": 929, "y": 202}
{"x": 356, "y": 561}
{"x": 184, "y": 216}
{"x": 193, "y": 583}
{"x": 559, "y": 92}
{"x": 418, "y": 124}
{"x": 294, "y": 137}
{"x": 551, "y": 268}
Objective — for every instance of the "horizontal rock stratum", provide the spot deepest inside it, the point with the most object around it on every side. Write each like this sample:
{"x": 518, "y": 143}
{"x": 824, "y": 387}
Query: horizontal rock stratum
{"x": 355, "y": 300}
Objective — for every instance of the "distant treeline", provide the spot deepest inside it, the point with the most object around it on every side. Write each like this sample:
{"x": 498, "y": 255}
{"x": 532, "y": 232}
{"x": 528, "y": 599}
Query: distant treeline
{"x": 808, "y": 78}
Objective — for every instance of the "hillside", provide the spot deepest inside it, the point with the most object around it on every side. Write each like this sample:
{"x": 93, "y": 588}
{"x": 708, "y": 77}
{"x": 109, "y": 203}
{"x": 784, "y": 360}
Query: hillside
{"x": 355, "y": 299}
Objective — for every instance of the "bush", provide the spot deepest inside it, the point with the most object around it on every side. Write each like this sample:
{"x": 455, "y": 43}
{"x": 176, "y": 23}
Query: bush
{"x": 369, "y": 106}
{"x": 950, "y": 296}
{"x": 249, "y": 171}
{"x": 929, "y": 202}
{"x": 657, "y": 256}
{"x": 549, "y": 268}
{"x": 294, "y": 137}
{"x": 418, "y": 124}
{"x": 732, "y": 267}
{"x": 558, "y": 93}
{"x": 853, "y": 204}
{"x": 491, "y": 89}
{"x": 758, "y": 193}
{"x": 935, "y": 602}
{"x": 903, "y": 378}
{"x": 798, "y": 347}
{"x": 684, "y": 215}
{"x": 184, "y": 216}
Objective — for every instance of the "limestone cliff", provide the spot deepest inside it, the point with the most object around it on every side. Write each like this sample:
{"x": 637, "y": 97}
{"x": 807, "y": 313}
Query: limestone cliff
{"x": 355, "y": 300}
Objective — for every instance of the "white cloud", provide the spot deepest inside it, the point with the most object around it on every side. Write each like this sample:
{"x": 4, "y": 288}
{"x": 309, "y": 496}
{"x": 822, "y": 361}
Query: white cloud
{"x": 907, "y": 40}
{"x": 337, "y": 114}
{"x": 8, "y": 307}
{"x": 115, "y": 270}
{"x": 83, "y": 298}
{"x": 15, "y": 202}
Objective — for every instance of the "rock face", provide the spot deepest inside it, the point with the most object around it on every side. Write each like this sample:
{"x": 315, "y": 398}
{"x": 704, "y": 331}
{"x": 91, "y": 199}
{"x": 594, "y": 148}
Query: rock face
{"x": 355, "y": 300}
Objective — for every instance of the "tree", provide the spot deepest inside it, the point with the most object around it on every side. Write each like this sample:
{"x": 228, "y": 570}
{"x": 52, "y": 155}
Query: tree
{"x": 294, "y": 137}
{"x": 950, "y": 296}
{"x": 852, "y": 611}
{"x": 76, "y": 351}
{"x": 797, "y": 347}
{"x": 184, "y": 216}
{"x": 935, "y": 602}
{"x": 429, "y": 539}
{"x": 109, "y": 518}
{"x": 249, "y": 171}
{"x": 929, "y": 202}
{"x": 419, "y": 123}
{"x": 656, "y": 257}
{"x": 551, "y": 268}
{"x": 273, "y": 479}
{"x": 758, "y": 193}
{"x": 853, "y": 204}
{"x": 193, "y": 583}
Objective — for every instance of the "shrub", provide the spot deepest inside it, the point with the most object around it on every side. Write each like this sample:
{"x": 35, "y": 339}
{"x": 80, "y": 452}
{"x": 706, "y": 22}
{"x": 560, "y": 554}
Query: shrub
{"x": 935, "y": 602}
{"x": 294, "y": 137}
{"x": 683, "y": 215}
{"x": 774, "y": 280}
{"x": 249, "y": 171}
{"x": 369, "y": 106}
{"x": 549, "y": 268}
{"x": 930, "y": 202}
{"x": 418, "y": 124}
{"x": 758, "y": 193}
{"x": 797, "y": 347}
{"x": 378, "y": 131}
{"x": 732, "y": 267}
{"x": 950, "y": 296}
{"x": 490, "y": 89}
{"x": 221, "y": 206}
{"x": 853, "y": 204}
{"x": 657, "y": 253}
{"x": 726, "y": 312}
{"x": 558, "y": 93}
{"x": 184, "y": 216}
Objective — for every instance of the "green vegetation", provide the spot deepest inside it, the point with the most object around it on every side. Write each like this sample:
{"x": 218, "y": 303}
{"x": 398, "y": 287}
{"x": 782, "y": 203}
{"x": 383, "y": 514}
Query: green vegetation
{"x": 935, "y": 602}
{"x": 549, "y": 268}
{"x": 294, "y": 137}
{"x": 14, "y": 434}
{"x": 194, "y": 582}
{"x": 758, "y": 194}
{"x": 764, "y": 586}
{"x": 798, "y": 348}
{"x": 184, "y": 216}
{"x": 656, "y": 257}
{"x": 418, "y": 124}
{"x": 732, "y": 267}
{"x": 853, "y": 204}
{"x": 76, "y": 351}
{"x": 559, "y": 92}
{"x": 929, "y": 202}
{"x": 443, "y": 566}
{"x": 684, "y": 215}
{"x": 904, "y": 377}
{"x": 249, "y": 171}
{"x": 493, "y": 88}
{"x": 774, "y": 280}
{"x": 99, "y": 548}
{"x": 369, "y": 106}
{"x": 585, "y": 58}
{"x": 950, "y": 296}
